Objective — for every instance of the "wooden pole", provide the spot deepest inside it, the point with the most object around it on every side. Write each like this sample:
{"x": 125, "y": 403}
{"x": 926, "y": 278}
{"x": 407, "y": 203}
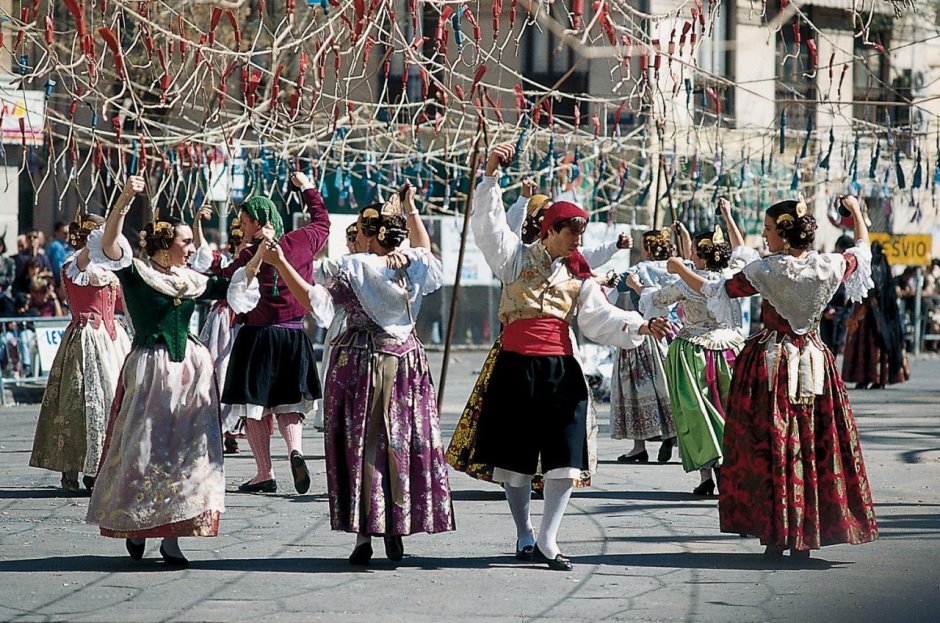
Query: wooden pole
{"x": 474, "y": 165}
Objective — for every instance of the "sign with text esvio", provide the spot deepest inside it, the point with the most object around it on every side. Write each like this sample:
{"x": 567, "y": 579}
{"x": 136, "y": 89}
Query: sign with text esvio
{"x": 906, "y": 249}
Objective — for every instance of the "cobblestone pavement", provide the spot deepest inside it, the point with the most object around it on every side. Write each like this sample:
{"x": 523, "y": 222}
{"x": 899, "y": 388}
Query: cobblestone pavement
{"x": 644, "y": 548}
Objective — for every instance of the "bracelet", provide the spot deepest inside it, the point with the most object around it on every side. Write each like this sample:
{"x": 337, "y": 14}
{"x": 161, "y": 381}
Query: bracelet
{"x": 252, "y": 270}
{"x": 414, "y": 213}
{"x": 126, "y": 208}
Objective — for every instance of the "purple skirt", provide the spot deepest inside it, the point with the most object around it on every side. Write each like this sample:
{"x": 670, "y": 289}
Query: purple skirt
{"x": 386, "y": 472}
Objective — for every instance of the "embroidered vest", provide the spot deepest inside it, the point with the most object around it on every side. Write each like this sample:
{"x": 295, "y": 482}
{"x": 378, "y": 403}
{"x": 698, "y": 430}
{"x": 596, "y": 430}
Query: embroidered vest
{"x": 92, "y": 305}
{"x": 538, "y": 292}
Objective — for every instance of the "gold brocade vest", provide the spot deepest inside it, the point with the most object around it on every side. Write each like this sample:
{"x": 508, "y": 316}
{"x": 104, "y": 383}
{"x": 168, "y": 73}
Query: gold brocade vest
{"x": 538, "y": 292}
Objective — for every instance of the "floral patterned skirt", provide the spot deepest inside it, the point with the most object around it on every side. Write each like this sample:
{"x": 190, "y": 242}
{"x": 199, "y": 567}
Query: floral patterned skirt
{"x": 77, "y": 401}
{"x": 385, "y": 468}
{"x": 161, "y": 471}
{"x": 793, "y": 474}
{"x": 639, "y": 396}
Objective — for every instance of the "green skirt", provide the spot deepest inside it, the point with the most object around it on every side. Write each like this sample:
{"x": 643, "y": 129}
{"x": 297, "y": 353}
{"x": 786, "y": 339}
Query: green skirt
{"x": 699, "y": 381}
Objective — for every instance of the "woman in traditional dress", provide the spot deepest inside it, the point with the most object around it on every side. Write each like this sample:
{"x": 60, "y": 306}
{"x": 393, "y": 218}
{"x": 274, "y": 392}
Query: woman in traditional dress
{"x": 161, "y": 469}
{"x": 701, "y": 357}
{"x": 874, "y": 346}
{"x": 272, "y": 374}
{"x": 793, "y": 471}
{"x": 640, "y": 407}
{"x": 219, "y": 330}
{"x": 386, "y": 473}
{"x": 84, "y": 375}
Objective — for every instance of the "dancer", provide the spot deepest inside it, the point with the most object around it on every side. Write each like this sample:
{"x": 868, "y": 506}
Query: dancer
{"x": 161, "y": 469}
{"x": 832, "y": 325}
{"x": 701, "y": 357}
{"x": 793, "y": 471}
{"x": 272, "y": 371}
{"x": 525, "y": 219}
{"x": 219, "y": 330}
{"x": 534, "y": 411}
{"x": 84, "y": 375}
{"x": 386, "y": 473}
{"x": 874, "y": 345}
{"x": 640, "y": 406}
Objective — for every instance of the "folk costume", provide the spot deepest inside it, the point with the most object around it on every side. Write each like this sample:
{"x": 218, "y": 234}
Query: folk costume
{"x": 84, "y": 376}
{"x": 874, "y": 348}
{"x": 272, "y": 371}
{"x": 698, "y": 366}
{"x": 640, "y": 407}
{"x": 535, "y": 411}
{"x": 161, "y": 470}
{"x": 793, "y": 470}
{"x": 461, "y": 452}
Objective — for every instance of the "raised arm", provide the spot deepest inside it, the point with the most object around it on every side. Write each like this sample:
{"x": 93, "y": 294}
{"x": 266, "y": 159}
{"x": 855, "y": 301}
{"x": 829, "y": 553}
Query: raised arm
{"x": 851, "y": 204}
{"x": 677, "y": 266}
{"x": 417, "y": 234}
{"x": 501, "y": 246}
{"x": 115, "y": 223}
{"x": 735, "y": 237}
{"x": 295, "y": 283}
{"x": 683, "y": 240}
{"x": 203, "y": 214}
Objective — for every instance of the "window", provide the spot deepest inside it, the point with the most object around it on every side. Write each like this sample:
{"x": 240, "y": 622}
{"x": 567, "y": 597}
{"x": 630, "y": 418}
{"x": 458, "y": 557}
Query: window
{"x": 871, "y": 80}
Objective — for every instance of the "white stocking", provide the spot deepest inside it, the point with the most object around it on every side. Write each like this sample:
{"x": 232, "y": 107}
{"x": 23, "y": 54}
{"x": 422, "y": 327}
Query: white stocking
{"x": 518, "y": 498}
{"x": 557, "y": 493}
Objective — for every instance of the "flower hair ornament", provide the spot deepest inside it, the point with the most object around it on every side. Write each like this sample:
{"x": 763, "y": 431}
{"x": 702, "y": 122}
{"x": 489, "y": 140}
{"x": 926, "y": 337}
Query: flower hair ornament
{"x": 80, "y": 228}
{"x": 801, "y": 208}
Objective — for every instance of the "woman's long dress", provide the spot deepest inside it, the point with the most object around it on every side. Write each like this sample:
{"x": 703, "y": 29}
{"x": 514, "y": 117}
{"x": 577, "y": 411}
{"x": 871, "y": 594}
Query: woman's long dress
{"x": 161, "y": 471}
{"x": 386, "y": 473}
{"x": 698, "y": 371}
{"x": 84, "y": 375}
{"x": 793, "y": 471}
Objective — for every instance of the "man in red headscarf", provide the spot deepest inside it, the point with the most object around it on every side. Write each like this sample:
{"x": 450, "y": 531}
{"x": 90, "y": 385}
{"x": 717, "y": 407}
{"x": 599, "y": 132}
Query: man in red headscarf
{"x": 535, "y": 411}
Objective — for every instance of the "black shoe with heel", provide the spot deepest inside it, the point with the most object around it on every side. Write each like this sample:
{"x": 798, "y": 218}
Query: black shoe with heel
{"x": 175, "y": 562}
{"x": 265, "y": 486}
{"x": 136, "y": 551}
{"x": 665, "y": 450}
{"x": 298, "y": 468}
{"x": 558, "y": 563}
{"x": 361, "y": 555}
{"x": 524, "y": 553}
{"x": 705, "y": 488}
{"x": 639, "y": 457}
{"x": 394, "y": 548}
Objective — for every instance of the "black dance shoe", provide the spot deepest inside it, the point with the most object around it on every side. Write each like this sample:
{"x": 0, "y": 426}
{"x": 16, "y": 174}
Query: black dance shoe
{"x": 525, "y": 553}
{"x": 174, "y": 562}
{"x": 230, "y": 446}
{"x": 799, "y": 554}
{"x": 861, "y": 386}
{"x": 89, "y": 482}
{"x": 265, "y": 486}
{"x": 298, "y": 467}
{"x": 773, "y": 552}
{"x": 705, "y": 488}
{"x": 69, "y": 484}
{"x": 639, "y": 457}
{"x": 665, "y": 450}
{"x": 394, "y": 548}
{"x": 361, "y": 555}
{"x": 136, "y": 551}
{"x": 558, "y": 563}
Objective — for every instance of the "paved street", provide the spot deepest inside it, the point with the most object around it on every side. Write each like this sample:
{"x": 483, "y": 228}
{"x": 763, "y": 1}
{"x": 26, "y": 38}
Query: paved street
{"x": 644, "y": 548}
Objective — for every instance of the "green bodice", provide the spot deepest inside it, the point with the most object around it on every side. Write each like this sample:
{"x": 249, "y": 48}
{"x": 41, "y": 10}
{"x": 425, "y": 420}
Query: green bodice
{"x": 161, "y": 318}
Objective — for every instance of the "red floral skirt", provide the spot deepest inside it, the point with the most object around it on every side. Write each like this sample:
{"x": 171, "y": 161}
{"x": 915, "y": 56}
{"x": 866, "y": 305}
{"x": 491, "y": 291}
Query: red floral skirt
{"x": 793, "y": 474}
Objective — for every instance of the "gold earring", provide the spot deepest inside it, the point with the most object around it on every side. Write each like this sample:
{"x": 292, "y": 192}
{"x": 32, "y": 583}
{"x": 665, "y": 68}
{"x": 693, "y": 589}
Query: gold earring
{"x": 166, "y": 257}
{"x": 786, "y": 246}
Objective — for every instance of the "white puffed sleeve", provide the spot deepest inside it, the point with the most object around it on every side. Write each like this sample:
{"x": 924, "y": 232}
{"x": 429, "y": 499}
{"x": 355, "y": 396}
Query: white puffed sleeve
{"x": 321, "y": 305}
{"x": 605, "y": 324}
{"x": 515, "y": 215}
{"x": 93, "y": 275}
{"x": 202, "y": 259}
{"x": 502, "y": 248}
{"x": 859, "y": 282}
{"x": 601, "y": 254}
{"x": 98, "y": 258}
{"x": 741, "y": 257}
{"x": 243, "y": 297}
{"x": 655, "y": 302}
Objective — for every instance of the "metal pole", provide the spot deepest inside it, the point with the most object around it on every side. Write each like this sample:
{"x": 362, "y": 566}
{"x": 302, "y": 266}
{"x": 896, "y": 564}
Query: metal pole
{"x": 919, "y": 280}
{"x": 474, "y": 164}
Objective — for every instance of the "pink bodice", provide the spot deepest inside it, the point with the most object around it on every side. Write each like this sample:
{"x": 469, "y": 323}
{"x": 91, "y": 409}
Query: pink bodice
{"x": 92, "y": 304}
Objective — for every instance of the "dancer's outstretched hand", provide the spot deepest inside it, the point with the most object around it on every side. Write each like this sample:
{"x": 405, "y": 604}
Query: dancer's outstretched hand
{"x": 657, "y": 328}
{"x": 674, "y": 265}
{"x": 397, "y": 260}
